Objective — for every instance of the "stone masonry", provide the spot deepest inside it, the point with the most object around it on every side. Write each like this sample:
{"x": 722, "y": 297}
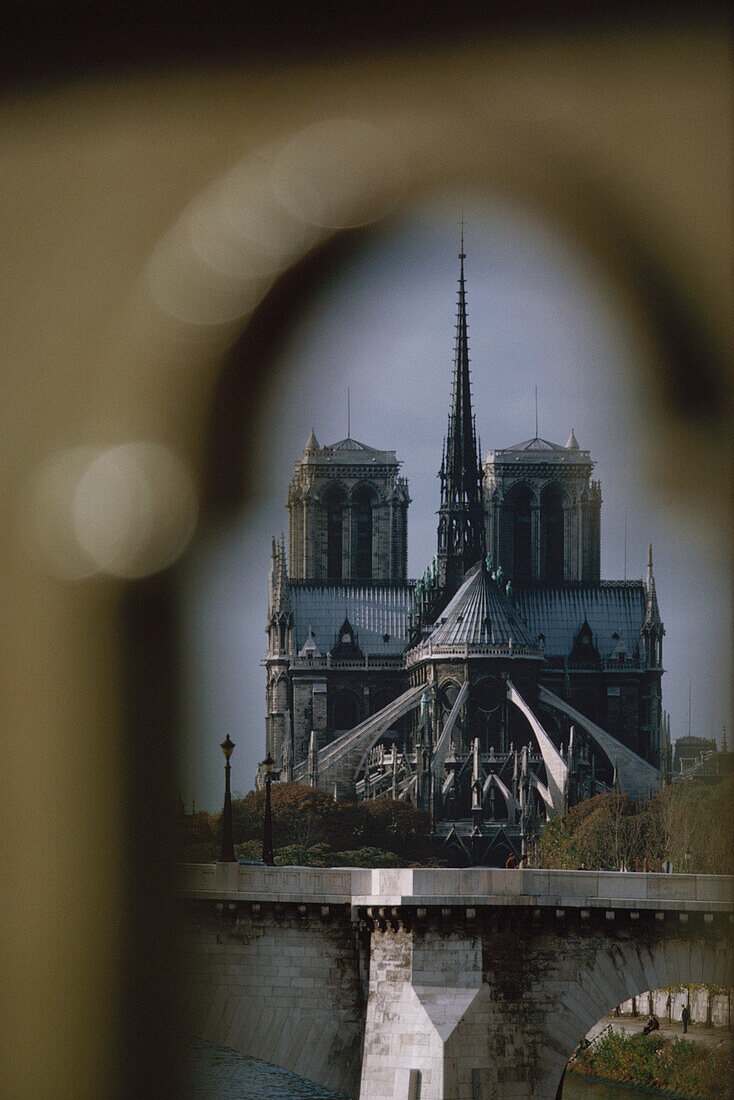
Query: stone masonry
{"x": 431, "y": 984}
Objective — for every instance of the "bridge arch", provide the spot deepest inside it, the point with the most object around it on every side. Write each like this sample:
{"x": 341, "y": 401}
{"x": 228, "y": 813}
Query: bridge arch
{"x": 622, "y": 971}
{"x": 576, "y": 986}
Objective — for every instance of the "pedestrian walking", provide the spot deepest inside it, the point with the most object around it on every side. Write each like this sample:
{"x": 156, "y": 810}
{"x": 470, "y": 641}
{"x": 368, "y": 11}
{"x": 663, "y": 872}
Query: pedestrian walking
{"x": 685, "y": 1019}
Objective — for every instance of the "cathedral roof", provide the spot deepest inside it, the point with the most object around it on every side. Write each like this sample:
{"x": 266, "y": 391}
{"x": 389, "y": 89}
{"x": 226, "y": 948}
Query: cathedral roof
{"x": 480, "y": 614}
{"x": 610, "y": 608}
{"x": 345, "y": 451}
{"x": 541, "y": 450}
{"x": 378, "y": 614}
{"x": 348, "y": 444}
{"x": 535, "y": 444}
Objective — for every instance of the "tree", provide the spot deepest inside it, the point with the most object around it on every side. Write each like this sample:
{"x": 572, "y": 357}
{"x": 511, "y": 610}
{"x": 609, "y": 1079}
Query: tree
{"x": 688, "y": 823}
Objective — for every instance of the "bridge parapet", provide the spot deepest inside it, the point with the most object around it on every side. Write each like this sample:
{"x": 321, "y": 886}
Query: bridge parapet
{"x": 475, "y": 886}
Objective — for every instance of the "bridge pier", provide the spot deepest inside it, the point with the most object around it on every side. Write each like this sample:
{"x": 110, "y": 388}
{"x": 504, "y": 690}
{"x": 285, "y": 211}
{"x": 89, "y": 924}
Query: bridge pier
{"x": 471, "y": 1004}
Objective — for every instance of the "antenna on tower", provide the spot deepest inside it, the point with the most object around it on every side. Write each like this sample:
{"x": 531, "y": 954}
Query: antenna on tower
{"x": 625, "y": 546}
{"x": 689, "y": 706}
{"x": 349, "y": 414}
{"x": 536, "y": 412}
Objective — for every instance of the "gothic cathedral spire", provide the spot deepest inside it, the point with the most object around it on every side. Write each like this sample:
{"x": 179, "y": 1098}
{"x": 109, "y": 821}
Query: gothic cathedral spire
{"x": 461, "y": 517}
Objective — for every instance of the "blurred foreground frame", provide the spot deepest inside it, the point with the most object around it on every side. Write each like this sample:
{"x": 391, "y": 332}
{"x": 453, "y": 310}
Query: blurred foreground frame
{"x": 620, "y": 132}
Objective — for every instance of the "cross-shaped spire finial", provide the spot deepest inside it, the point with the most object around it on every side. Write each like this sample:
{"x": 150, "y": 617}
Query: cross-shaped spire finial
{"x": 462, "y": 254}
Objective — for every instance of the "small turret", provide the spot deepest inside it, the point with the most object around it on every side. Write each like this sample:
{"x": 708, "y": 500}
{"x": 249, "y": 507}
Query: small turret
{"x": 312, "y": 443}
{"x": 652, "y": 628}
{"x": 280, "y": 617}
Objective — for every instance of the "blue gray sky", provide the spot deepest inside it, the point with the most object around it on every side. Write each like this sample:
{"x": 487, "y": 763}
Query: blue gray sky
{"x": 540, "y": 314}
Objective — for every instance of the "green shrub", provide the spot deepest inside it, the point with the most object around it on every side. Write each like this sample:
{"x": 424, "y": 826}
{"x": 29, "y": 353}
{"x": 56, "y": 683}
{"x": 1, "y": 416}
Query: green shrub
{"x": 652, "y": 1062}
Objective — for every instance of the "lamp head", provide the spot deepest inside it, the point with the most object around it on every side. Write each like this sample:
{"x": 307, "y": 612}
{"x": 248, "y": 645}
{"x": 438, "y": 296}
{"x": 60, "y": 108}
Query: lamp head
{"x": 227, "y": 747}
{"x": 268, "y": 763}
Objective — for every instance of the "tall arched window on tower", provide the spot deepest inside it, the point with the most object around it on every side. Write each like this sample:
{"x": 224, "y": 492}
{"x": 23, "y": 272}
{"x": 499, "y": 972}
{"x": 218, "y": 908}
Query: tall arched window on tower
{"x": 519, "y": 502}
{"x": 551, "y": 523}
{"x": 335, "y": 502}
{"x": 362, "y": 502}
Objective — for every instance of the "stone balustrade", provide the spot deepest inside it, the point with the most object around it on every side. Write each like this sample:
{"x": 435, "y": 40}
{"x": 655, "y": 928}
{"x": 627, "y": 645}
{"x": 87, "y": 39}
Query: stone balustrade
{"x": 476, "y": 886}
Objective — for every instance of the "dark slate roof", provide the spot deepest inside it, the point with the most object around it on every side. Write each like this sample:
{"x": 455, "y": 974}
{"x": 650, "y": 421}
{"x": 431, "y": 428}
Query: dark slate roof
{"x": 609, "y": 608}
{"x": 536, "y": 444}
{"x": 346, "y": 451}
{"x": 349, "y": 444}
{"x": 480, "y": 614}
{"x": 541, "y": 451}
{"x": 373, "y": 611}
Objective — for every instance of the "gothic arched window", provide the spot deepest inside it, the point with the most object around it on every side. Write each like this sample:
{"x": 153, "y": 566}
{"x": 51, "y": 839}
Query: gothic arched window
{"x": 362, "y": 519}
{"x": 335, "y": 502}
{"x": 345, "y": 710}
{"x": 519, "y": 502}
{"x": 551, "y": 525}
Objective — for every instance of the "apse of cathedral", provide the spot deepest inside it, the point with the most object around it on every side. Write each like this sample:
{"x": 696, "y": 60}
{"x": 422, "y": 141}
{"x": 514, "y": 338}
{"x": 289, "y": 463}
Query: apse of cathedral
{"x": 506, "y": 684}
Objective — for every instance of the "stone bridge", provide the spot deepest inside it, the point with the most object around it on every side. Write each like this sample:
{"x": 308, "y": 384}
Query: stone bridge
{"x": 422, "y": 984}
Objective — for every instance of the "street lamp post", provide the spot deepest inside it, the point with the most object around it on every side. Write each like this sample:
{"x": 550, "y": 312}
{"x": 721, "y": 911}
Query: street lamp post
{"x": 227, "y": 854}
{"x": 268, "y": 857}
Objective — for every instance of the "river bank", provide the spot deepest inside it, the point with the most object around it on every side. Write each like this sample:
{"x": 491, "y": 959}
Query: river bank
{"x": 694, "y": 1067}
{"x": 586, "y": 1088}
{"x": 699, "y": 1034}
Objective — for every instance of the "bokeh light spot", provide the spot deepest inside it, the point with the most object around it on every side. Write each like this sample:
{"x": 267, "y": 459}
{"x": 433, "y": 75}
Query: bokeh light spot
{"x": 135, "y": 509}
{"x": 340, "y": 173}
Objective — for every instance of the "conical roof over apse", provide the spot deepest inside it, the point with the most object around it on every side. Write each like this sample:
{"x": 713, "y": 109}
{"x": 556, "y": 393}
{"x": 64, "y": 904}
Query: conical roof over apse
{"x": 480, "y": 614}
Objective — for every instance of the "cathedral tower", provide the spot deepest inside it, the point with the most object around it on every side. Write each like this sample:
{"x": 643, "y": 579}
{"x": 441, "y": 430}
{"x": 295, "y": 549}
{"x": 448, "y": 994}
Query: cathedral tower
{"x": 348, "y": 513}
{"x": 543, "y": 513}
{"x": 461, "y": 517}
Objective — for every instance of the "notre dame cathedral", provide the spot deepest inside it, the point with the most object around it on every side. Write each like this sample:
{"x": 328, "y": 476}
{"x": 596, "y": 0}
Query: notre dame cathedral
{"x": 504, "y": 685}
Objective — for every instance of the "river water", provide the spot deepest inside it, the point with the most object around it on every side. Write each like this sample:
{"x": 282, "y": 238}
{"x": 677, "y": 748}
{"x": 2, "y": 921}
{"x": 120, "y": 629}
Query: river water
{"x": 217, "y": 1073}
{"x": 221, "y": 1074}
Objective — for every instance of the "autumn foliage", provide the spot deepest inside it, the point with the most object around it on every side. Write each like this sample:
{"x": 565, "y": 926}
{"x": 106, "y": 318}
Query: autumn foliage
{"x": 309, "y": 827}
{"x": 689, "y": 824}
